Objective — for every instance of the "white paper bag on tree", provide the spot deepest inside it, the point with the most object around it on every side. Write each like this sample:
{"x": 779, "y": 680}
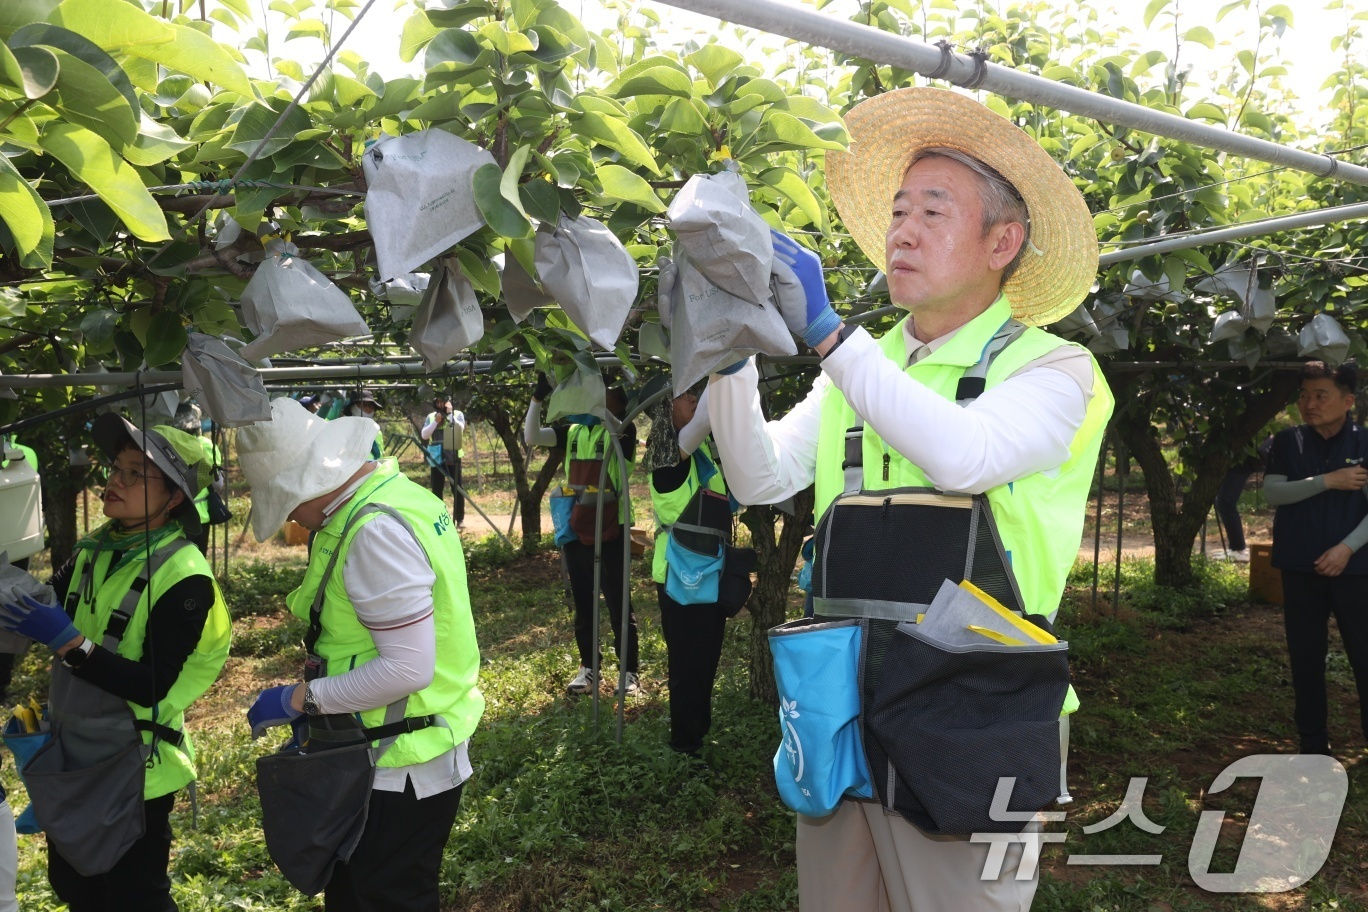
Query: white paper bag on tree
{"x": 420, "y": 198}
{"x": 585, "y": 268}
{"x": 289, "y": 304}
{"x": 449, "y": 318}
{"x": 229, "y": 389}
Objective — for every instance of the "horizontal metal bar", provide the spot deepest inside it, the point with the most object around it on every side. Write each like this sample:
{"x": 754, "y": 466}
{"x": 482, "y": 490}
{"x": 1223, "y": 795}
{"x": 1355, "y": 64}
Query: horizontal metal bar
{"x": 884, "y": 47}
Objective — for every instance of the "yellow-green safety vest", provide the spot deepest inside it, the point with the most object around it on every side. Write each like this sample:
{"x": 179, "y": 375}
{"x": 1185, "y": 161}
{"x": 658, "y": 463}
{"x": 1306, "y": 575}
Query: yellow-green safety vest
{"x": 584, "y": 441}
{"x": 171, "y": 767}
{"x": 346, "y": 644}
{"x": 211, "y": 453}
{"x": 669, "y": 505}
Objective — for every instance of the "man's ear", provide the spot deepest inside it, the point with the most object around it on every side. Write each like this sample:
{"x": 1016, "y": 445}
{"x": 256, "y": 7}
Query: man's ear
{"x": 1007, "y": 238}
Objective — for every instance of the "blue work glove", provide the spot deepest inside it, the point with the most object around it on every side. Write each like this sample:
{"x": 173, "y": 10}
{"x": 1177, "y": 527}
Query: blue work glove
{"x": 47, "y": 624}
{"x": 272, "y": 707}
{"x": 796, "y": 278}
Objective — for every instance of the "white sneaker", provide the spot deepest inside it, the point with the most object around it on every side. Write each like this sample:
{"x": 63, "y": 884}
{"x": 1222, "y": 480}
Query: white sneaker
{"x": 1239, "y": 557}
{"x": 633, "y": 684}
{"x": 585, "y": 682}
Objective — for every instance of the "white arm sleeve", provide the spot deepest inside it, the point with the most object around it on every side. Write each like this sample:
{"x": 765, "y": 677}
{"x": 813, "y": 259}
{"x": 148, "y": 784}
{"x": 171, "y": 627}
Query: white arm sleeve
{"x": 430, "y": 426}
{"x": 1019, "y": 427}
{"x": 692, "y": 435}
{"x": 767, "y": 462}
{"x": 458, "y": 419}
{"x": 389, "y": 581}
{"x": 533, "y": 432}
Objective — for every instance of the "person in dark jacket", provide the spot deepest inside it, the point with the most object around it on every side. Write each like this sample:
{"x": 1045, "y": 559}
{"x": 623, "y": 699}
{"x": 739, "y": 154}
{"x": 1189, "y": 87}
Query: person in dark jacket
{"x": 1316, "y": 478}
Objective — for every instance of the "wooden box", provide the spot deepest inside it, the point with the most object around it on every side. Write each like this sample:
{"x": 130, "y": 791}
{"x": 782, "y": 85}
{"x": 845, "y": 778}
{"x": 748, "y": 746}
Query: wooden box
{"x": 1265, "y": 582}
{"x": 294, "y": 533}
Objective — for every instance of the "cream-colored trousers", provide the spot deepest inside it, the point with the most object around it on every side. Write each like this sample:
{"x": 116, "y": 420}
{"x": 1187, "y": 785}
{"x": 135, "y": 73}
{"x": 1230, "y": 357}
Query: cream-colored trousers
{"x": 860, "y": 859}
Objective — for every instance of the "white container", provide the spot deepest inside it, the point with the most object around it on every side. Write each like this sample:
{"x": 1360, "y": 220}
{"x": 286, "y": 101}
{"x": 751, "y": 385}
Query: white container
{"x": 21, "y": 508}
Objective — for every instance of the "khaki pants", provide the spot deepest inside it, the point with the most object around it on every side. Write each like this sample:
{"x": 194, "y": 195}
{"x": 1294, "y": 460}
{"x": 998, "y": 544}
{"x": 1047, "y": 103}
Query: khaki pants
{"x": 860, "y": 859}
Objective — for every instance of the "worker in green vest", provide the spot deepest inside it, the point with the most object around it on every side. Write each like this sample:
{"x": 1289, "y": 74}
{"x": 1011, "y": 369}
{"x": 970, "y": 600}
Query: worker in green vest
{"x": 391, "y": 647}
{"x": 189, "y": 419}
{"x": 975, "y": 226}
{"x": 140, "y": 630}
{"x": 363, "y": 404}
{"x": 693, "y": 632}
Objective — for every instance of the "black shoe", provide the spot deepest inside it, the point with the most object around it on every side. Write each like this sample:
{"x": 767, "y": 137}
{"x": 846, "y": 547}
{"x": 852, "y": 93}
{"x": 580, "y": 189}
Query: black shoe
{"x": 1315, "y": 747}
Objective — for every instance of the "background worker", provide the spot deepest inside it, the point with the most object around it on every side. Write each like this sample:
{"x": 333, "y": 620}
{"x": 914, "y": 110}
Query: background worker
{"x": 974, "y": 224}
{"x": 363, "y": 404}
{"x": 444, "y": 431}
{"x": 169, "y": 652}
{"x": 1316, "y": 477}
{"x": 586, "y": 444}
{"x": 189, "y": 420}
{"x": 396, "y": 639}
{"x": 693, "y": 633}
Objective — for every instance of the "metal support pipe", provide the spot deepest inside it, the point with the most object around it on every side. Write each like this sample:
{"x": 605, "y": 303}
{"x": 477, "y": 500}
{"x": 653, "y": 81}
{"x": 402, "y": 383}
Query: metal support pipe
{"x": 1312, "y": 219}
{"x": 883, "y": 47}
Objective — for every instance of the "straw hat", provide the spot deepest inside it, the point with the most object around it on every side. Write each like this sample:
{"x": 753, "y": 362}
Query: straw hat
{"x": 179, "y": 456}
{"x": 297, "y": 456}
{"x": 887, "y": 130}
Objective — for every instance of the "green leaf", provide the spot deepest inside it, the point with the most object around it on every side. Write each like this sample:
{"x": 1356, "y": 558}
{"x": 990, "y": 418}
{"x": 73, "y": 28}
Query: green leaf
{"x": 619, "y": 183}
{"x": 257, "y": 121}
{"x": 1205, "y": 111}
{"x": 154, "y": 144}
{"x": 1279, "y": 12}
{"x": 87, "y": 98}
{"x": 27, "y": 216}
{"x": 512, "y": 176}
{"x": 659, "y": 80}
{"x": 165, "y": 339}
{"x": 350, "y": 92}
{"x": 506, "y": 41}
{"x": 17, "y": 13}
{"x": 98, "y": 326}
{"x": 715, "y": 62}
{"x": 83, "y": 49}
{"x": 524, "y": 250}
{"x": 506, "y": 220}
{"x": 1154, "y": 8}
{"x": 32, "y": 71}
{"x": 541, "y": 201}
{"x": 308, "y": 28}
{"x": 1059, "y": 73}
{"x": 1200, "y": 34}
{"x": 1175, "y": 270}
{"x": 680, "y": 116}
{"x": 418, "y": 30}
{"x": 112, "y": 24}
{"x": 791, "y": 185}
{"x": 779, "y": 126}
{"x": 92, "y": 161}
{"x": 196, "y": 54}
{"x": 619, "y": 137}
{"x": 480, "y": 270}
{"x": 453, "y": 46}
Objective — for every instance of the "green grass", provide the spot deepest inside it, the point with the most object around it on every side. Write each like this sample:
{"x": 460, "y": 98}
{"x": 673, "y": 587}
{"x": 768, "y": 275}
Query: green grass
{"x": 558, "y": 816}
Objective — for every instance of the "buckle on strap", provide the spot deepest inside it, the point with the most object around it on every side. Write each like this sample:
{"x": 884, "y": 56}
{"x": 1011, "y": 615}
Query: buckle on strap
{"x": 402, "y": 727}
{"x": 161, "y": 732}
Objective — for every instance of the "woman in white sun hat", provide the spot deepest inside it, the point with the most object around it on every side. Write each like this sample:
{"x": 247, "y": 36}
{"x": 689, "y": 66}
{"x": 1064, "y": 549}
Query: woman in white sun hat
{"x": 391, "y": 647}
{"x": 983, "y": 238}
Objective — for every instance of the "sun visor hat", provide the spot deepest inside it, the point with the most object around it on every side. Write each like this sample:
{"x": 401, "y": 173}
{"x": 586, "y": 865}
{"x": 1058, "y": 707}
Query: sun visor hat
{"x": 176, "y": 453}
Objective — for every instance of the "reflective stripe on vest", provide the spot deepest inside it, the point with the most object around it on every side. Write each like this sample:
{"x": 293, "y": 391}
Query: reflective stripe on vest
{"x": 173, "y": 765}
{"x": 1040, "y": 517}
{"x": 345, "y": 643}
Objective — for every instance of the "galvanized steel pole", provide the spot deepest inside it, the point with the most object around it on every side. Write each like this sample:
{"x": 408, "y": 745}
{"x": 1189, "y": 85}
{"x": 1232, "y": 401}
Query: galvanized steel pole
{"x": 870, "y": 43}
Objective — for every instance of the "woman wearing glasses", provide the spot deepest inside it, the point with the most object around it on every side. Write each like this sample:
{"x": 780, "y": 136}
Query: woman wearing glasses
{"x": 140, "y": 630}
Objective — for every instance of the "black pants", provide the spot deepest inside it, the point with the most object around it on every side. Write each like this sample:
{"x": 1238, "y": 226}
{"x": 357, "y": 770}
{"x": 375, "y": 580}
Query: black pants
{"x": 1309, "y": 600}
{"x": 693, "y": 646}
{"x": 398, "y": 862}
{"x": 1228, "y": 507}
{"x": 138, "y": 880}
{"x": 439, "y": 478}
{"x": 579, "y": 563}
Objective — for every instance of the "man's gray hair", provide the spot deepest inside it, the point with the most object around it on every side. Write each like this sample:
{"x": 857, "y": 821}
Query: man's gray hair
{"x": 1001, "y": 201}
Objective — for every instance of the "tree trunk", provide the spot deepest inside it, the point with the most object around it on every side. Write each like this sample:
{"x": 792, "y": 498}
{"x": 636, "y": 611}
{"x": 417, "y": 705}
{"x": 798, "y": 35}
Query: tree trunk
{"x": 62, "y": 487}
{"x": 1176, "y": 525}
{"x": 529, "y": 493}
{"x": 768, "y": 604}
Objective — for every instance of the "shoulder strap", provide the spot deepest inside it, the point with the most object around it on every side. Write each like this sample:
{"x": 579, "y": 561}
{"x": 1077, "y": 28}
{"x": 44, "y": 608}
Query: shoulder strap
{"x": 128, "y": 606}
{"x": 970, "y": 387}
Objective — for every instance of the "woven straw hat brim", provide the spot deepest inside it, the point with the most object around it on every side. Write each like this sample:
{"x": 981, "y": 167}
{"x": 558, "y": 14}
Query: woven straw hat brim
{"x": 887, "y": 130}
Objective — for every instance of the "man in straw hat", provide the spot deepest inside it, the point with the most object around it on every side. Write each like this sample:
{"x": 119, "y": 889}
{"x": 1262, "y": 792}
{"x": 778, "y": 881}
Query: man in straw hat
{"x": 975, "y": 227}
{"x": 391, "y": 640}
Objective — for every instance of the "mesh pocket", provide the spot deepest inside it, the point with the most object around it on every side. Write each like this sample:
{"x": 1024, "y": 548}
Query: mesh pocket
{"x": 950, "y": 721}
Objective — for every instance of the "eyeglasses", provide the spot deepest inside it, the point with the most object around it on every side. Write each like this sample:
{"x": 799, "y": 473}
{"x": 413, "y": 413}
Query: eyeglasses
{"x": 128, "y": 478}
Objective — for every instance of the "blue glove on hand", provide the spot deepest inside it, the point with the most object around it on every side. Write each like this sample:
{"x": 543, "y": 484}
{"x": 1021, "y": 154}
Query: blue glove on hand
{"x": 796, "y": 277}
{"x": 272, "y": 707}
{"x": 46, "y": 624}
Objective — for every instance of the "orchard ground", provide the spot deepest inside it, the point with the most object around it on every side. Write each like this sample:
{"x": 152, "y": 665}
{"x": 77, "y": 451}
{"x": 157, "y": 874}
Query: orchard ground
{"x": 1175, "y": 687}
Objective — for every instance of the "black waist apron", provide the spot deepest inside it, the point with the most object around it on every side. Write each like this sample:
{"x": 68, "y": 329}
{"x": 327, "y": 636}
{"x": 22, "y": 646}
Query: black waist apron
{"x": 315, "y": 797}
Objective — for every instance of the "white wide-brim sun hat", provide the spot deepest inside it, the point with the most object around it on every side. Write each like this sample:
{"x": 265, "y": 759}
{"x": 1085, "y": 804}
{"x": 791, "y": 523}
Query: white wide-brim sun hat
{"x": 886, "y": 131}
{"x": 297, "y": 456}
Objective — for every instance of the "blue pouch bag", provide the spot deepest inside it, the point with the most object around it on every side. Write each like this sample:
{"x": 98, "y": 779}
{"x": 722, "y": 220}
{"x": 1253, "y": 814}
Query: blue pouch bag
{"x": 692, "y": 578}
{"x": 24, "y": 744}
{"x": 821, "y": 758}
{"x": 561, "y": 504}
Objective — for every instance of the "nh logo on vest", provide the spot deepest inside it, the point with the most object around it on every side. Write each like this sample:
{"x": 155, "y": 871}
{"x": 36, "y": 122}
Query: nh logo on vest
{"x": 443, "y": 524}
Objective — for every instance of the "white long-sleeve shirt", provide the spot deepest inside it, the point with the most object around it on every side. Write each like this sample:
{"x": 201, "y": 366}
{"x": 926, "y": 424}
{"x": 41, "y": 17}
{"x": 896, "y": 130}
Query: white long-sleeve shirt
{"x": 1017, "y": 428}
{"x": 390, "y": 581}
